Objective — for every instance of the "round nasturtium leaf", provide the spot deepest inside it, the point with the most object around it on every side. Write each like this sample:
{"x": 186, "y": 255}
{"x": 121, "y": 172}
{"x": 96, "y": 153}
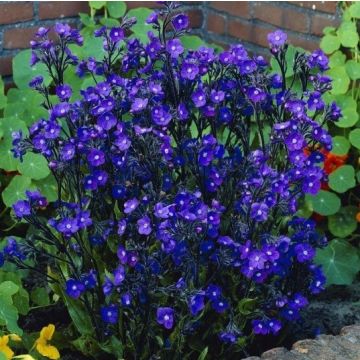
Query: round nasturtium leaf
{"x": 47, "y": 187}
{"x": 110, "y": 22}
{"x": 7, "y": 160}
{"x": 353, "y": 69}
{"x": 348, "y": 35}
{"x": 23, "y": 72}
{"x": 342, "y": 179}
{"x": 354, "y": 138}
{"x": 324, "y": 202}
{"x": 343, "y": 223}
{"x": 116, "y": 9}
{"x": 93, "y": 46}
{"x": 354, "y": 9}
{"x": 12, "y": 124}
{"x": 16, "y": 190}
{"x": 340, "y": 262}
{"x": 329, "y": 43}
{"x": 349, "y": 118}
{"x": 34, "y": 166}
{"x": 337, "y": 59}
{"x": 140, "y": 29}
{"x": 341, "y": 145}
{"x": 343, "y": 100}
{"x": 340, "y": 79}
{"x": 97, "y": 5}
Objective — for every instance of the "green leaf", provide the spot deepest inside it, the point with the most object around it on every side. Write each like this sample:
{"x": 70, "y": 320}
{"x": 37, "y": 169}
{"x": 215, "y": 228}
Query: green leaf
{"x": 34, "y": 166}
{"x": 7, "y": 160}
{"x": 340, "y": 262}
{"x": 109, "y": 22}
{"x": 21, "y": 301}
{"x": 97, "y": 5}
{"x": 93, "y": 46}
{"x": 345, "y": 101}
{"x": 47, "y": 187}
{"x": 87, "y": 20}
{"x": 116, "y": 9}
{"x": 203, "y": 354}
{"x": 39, "y": 296}
{"x": 354, "y": 138}
{"x": 329, "y": 43}
{"x": 343, "y": 223}
{"x": 8, "y": 288}
{"x": 329, "y": 30}
{"x": 324, "y": 202}
{"x": 23, "y": 72}
{"x": 192, "y": 42}
{"x": 3, "y": 98}
{"x": 8, "y": 312}
{"x": 341, "y": 145}
{"x": 348, "y": 35}
{"x": 342, "y": 179}
{"x": 16, "y": 190}
{"x": 9, "y": 315}
{"x": 340, "y": 79}
{"x": 246, "y": 306}
{"x": 12, "y": 124}
{"x": 353, "y": 69}
{"x": 355, "y": 10}
{"x": 337, "y": 59}
{"x": 140, "y": 28}
{"x": 350, "y": 118}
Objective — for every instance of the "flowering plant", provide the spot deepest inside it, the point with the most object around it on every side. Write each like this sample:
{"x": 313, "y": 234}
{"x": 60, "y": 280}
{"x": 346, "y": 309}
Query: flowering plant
{"x": 178, "y": 175}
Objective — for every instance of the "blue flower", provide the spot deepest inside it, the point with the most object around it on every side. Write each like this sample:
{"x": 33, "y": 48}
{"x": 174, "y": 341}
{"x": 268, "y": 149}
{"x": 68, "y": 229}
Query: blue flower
{"x": 165, "y": 317}
{"x": 196, "y": 303}
{"x": 74, "y": 288}
{"x": 110, "y": 314}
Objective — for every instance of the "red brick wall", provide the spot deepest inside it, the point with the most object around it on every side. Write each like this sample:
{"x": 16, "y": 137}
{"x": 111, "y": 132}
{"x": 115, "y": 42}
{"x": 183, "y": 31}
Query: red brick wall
{"x": 223, "y": 22}
{"x": 250, "y": 21}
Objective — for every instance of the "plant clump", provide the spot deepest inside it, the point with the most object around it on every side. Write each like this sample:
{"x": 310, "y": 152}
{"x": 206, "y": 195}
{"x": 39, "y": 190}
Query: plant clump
{"x": 178, "y": 175}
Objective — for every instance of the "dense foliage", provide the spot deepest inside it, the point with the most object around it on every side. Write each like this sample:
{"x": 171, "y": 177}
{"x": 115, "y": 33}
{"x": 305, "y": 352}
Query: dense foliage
{"x": 177, "y": 177}
{"x": 337, "y": 205}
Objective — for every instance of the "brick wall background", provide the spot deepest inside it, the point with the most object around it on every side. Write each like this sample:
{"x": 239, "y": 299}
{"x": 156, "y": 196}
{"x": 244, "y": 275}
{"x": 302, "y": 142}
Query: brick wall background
{"x": 223, "y": 22}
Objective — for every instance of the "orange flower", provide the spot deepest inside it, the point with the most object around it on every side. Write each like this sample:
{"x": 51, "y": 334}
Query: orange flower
{"x": 333, "y": 161}
{"x": 358, "y": 217}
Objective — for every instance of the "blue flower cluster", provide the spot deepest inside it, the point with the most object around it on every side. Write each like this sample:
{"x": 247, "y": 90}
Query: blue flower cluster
{"x": 179, "y": 173}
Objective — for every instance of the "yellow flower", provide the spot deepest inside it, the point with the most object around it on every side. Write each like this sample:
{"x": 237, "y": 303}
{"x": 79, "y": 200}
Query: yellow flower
{"x": 4, "y": 348}
{"x": 24, "y": 357}
{"x": 42, "y": 345}
{"x": 15, "y": 337}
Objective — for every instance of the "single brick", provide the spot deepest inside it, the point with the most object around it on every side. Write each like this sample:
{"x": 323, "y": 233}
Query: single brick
{"x": 5, "y": 65}
{"x": 307, "y": 44}
{"x": 325, "y": 6}
{"x": 216, "y": 23}
{"x": 281, "y": 17}
{"x": 196, "y": 18}
{"x": 18, "y": 38}
{"x": 234, "y": 8}
{"x": 318, "y": 22}
{"x": 137, "y": 4}
{"x": 61, "y": 9}
{"x": 16, "y": 12}
{"x": 246, "y": 31}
